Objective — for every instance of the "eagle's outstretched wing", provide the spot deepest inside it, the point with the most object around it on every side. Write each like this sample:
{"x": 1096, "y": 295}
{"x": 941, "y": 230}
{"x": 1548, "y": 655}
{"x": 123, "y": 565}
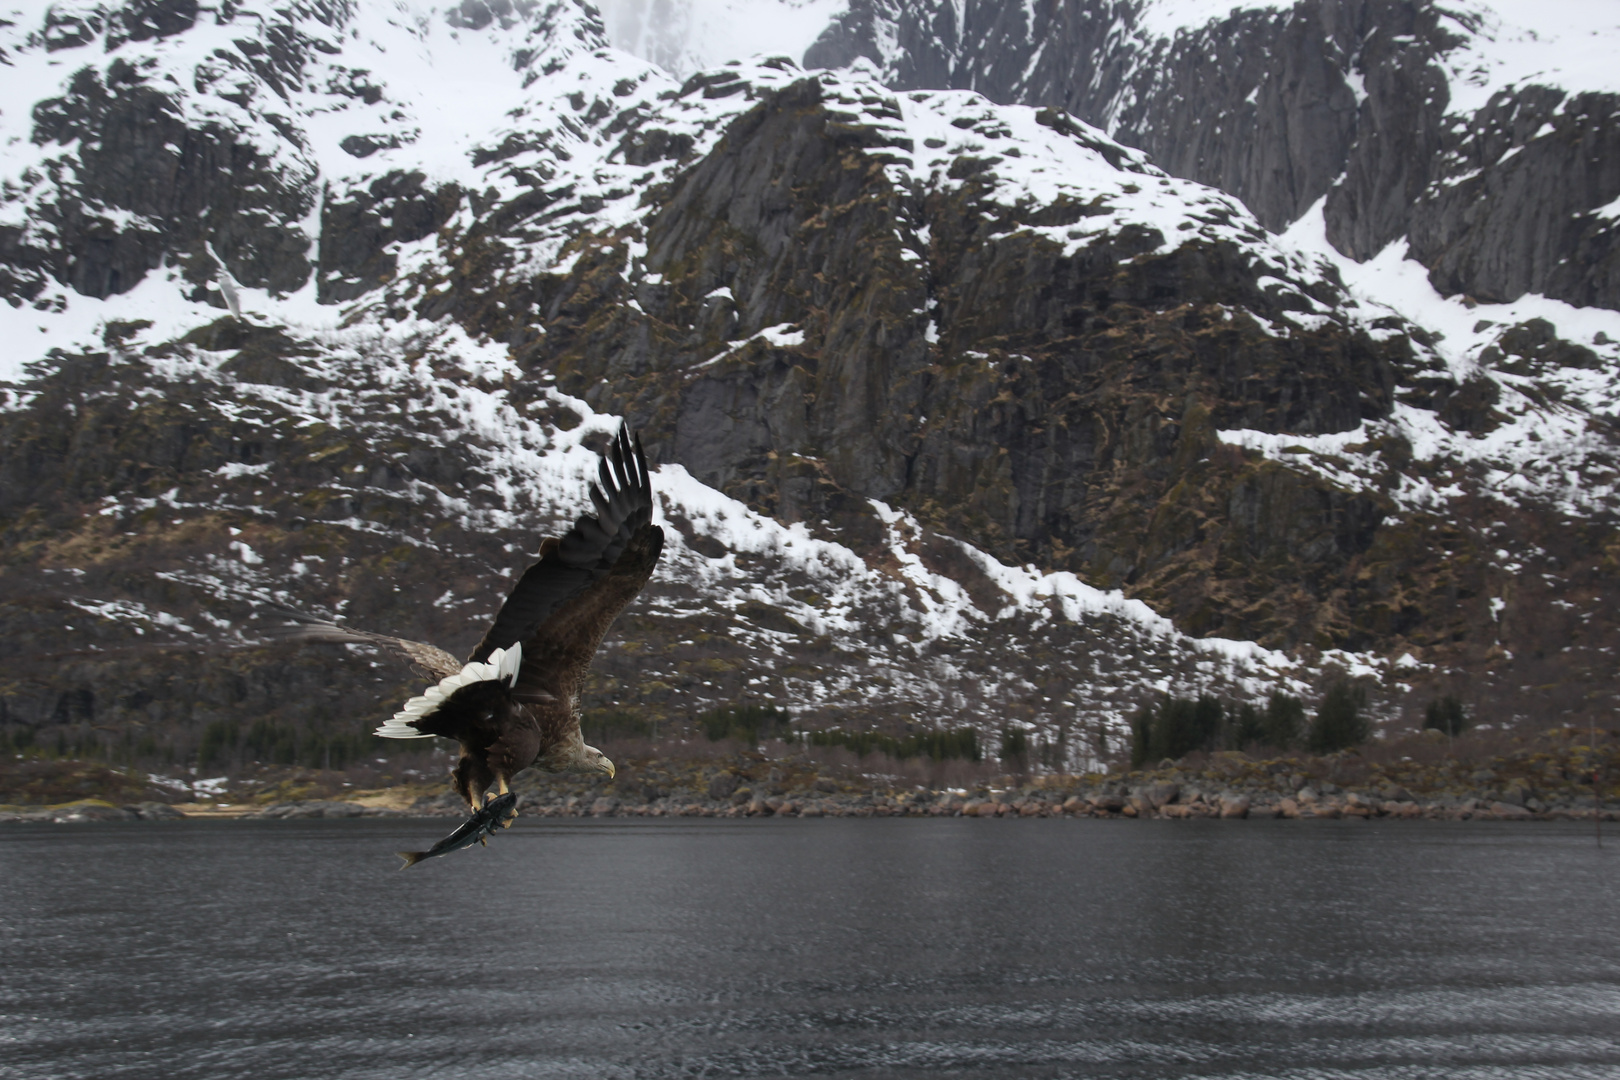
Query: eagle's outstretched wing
{"x": 563, "y": 605}
{"x": 430, "y": 660}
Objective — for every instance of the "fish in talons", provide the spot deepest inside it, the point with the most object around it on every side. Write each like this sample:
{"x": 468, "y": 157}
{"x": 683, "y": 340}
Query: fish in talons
{"x": 498, "y": 813}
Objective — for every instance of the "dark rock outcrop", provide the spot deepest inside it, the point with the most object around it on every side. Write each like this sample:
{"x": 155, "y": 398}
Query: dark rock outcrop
{"x": 131, "y": 180}
{"x": 358, "y": 231}
{"x": 1510, "y": 209}
{"x": 1065, "y": 416}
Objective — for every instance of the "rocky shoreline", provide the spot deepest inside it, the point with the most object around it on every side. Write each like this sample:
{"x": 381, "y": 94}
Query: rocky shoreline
{"x": 1546, "y": 780}
{"x": 1163, "y": 800}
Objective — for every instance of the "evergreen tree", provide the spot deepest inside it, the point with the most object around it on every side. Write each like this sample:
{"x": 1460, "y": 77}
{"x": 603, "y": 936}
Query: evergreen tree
{"x": 1339, "y": 723}
{"x": 1184, "y": 725}
{"x": 1141, "y": 736}
{"x": 1247, "y": 727}
{"x": 746, "y": 723}
{"x": 218, "y": 740}
{"x": 1209, "y": 717}
{"x": 1014, "y": 744}
{"x": 1446, "y": 714}
{"x": 1283, "y": 721}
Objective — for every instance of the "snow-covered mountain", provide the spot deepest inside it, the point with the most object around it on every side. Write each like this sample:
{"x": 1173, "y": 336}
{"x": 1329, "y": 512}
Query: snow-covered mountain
{"x": 1482, "y": 134}
{"x": 964, "y": 412}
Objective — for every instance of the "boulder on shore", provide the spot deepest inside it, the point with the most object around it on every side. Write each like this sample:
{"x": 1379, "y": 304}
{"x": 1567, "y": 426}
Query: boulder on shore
{"x": 1163, "y": 793}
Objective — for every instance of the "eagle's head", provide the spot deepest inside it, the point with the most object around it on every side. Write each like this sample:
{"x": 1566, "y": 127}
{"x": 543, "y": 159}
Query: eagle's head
{"x": 596, "y": 761}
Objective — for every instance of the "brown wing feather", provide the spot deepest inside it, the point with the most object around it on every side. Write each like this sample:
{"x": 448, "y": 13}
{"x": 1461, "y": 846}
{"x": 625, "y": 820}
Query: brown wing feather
{"x": 574, "y": 566}
{"x": 557, "y": 653}
{"x": 432, "y": 661}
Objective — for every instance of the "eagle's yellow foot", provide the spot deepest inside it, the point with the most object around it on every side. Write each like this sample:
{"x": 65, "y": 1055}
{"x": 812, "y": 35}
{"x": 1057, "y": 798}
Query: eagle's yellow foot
{"x": 484, "y": 841}
{"x": 506, "y": 822}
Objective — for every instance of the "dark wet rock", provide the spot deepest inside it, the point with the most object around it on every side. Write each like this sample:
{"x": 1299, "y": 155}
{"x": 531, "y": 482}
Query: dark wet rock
{"x": 1510, "y": 208}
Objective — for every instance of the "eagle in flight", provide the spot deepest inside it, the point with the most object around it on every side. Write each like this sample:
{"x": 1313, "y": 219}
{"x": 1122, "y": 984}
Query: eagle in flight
{"x": 515, "y": 703}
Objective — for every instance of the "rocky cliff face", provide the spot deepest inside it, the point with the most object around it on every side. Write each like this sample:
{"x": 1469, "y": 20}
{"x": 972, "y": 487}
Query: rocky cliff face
{"x": 965, "y": 413}
{"x": 1489, "y": 147}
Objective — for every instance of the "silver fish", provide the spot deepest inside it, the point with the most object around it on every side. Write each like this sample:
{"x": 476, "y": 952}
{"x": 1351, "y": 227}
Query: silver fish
{"x": 475, "y": 830}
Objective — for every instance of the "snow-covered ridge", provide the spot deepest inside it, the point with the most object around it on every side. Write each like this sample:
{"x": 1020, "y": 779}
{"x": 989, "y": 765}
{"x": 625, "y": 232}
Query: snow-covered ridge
{"x": 548, "y": 86}
{"x": 1515, "y": 43}
{"x": 1544, "y": 452}
{"x": 535, "y": 481}
{"x": 1165, "y": 18}
{"x": 331, "y": 97}
{"x": 1502, "y": 43}
{"x": 541, "y": 111}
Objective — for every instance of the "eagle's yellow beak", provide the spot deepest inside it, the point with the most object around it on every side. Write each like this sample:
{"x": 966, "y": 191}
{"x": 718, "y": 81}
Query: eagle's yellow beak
{"x": 611, "y": 771}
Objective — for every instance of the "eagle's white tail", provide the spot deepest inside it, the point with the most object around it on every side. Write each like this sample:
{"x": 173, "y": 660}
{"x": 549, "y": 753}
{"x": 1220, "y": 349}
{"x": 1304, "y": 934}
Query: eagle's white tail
{"x": 502, "y": 666}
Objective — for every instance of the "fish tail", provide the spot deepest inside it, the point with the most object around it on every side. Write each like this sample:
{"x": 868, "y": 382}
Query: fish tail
{"x": 411, "y": 858}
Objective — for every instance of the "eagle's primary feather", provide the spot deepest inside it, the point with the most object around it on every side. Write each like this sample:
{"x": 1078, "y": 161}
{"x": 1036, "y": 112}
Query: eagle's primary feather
{"x": 515, "y": 703}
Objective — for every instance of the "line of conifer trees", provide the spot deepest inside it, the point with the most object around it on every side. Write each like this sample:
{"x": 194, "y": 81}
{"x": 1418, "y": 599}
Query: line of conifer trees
{"x": 224, "y": 743}
{"x": 750, "y": 723}
{"x": 1175, "y": 727}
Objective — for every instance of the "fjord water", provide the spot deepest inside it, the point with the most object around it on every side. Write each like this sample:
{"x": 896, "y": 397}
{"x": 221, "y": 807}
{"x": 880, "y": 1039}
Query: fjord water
{"x": 810, "y": 948}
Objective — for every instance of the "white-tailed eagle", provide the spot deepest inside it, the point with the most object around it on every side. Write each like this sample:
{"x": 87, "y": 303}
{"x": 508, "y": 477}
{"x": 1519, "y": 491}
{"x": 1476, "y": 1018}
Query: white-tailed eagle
{"x": 515, "y": 703}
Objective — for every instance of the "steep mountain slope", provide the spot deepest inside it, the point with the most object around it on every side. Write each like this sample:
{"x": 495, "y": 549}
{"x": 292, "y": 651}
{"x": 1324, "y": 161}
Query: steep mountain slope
{"x": 1485, "y": 133}
{"x": 927, "y": 378}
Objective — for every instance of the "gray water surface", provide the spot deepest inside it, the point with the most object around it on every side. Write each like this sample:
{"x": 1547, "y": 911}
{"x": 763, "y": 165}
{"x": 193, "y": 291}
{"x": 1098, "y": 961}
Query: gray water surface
{"x": 810, "y": 948}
